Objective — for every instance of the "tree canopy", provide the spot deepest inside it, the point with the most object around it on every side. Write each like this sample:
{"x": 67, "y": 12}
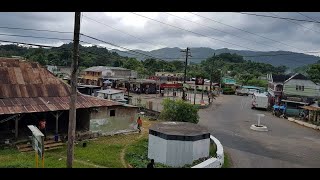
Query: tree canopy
{"x": 179, "y": 110}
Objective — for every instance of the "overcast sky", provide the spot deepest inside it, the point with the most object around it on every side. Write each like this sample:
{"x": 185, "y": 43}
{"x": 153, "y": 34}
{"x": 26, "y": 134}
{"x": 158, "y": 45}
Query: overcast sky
{"x": 287, "y": 35}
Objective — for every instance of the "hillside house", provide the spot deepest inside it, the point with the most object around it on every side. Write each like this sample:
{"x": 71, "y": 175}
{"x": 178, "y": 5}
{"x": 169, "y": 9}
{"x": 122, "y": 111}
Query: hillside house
{"x": 299, "y": 90}
{"x": 275, "y": 87}
{"x": 29, "y": 92}
{"x": 98, "y": 74}
{"x": 299, "y": 85}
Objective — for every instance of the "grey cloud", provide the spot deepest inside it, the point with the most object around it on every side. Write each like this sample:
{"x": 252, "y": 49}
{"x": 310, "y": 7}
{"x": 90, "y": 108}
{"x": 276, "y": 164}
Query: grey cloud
{"x": 160, "y": 35}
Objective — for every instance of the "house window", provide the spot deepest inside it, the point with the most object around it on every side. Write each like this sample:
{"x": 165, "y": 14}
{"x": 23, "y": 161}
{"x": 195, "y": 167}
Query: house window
{"x": 112, "y": 113}
{"x": 299, "y": 88}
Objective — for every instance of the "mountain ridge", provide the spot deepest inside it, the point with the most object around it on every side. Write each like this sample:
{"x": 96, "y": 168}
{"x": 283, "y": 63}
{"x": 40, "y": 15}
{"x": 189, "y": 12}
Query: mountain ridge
{"x": 276, "y": 58}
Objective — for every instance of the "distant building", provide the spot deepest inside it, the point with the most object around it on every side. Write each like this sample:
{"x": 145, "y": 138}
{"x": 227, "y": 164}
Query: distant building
{"x": 98, "y": 74}
{"x": 275, "y": 87}
{"x": 112, "y": 94}
{"x": 228, "y": 81}
{"x": 63, "y": 72}
{"x": 167, "y": 76}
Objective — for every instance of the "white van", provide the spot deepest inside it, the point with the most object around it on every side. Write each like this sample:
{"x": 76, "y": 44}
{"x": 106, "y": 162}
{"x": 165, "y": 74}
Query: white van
{"x": 259, "y": 100}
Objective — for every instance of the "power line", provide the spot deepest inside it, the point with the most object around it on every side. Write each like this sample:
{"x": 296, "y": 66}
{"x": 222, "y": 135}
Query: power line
{"x": 219, "y": 30}
{"x": 307, "y": 17}
{"x": 192, "y": 31}
{"x": 29, "y": 44}
{"x": 41, "y": 30}
{"x": 112, "y": 44}
{"x": 276, "y": 17}
{"x": 120, "y": 31}
{"x": 38, "y": 37}
{"x": 295, "y": 23}
{"x": 247, "y": 31}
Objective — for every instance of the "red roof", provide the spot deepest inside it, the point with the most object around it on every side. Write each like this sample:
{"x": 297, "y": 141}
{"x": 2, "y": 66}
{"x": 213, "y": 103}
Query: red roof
{"x": 26, "y": 87}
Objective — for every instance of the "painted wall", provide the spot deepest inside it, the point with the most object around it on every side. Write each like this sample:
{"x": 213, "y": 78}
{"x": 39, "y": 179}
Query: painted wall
{"x": 310, "y": 88}
{"x": 157, "y": 149}
{"x": 124, "y": 119}
{"x": 201, "y": 148}
{"x": 177, "y": 153}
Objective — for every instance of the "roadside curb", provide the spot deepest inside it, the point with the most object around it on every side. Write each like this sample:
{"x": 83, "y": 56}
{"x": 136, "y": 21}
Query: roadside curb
{"x": 304, "y": 124}
{"x": 214, "y": 162}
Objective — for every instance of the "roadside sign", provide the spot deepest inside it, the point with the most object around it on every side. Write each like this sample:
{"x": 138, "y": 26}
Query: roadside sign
{"x": 37, "y": 143}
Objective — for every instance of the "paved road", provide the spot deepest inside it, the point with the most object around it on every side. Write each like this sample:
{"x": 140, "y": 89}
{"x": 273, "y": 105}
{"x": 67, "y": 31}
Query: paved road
{"x": 287, "y": 144}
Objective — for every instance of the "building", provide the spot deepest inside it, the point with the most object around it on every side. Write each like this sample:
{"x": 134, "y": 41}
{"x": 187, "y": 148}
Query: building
{"x": 98, "y": 74}
{"x": 169, "y": 74}
{"x": 91, "y": 90}
{"x": 299, "y": 85}
{"x": 112, "y": 94}
{"x": 275, "y": 87}
{"x": 29, "y": 92}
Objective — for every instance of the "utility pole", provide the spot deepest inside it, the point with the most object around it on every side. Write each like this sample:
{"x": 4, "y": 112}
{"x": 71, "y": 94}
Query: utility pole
{"x": 73, "y": 95}
{"x": 214, "y": 54}
{"x": 185, "y": 70}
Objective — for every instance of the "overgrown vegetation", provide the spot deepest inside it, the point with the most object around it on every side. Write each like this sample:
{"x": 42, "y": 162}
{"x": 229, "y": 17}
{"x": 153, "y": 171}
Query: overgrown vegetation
{"x": 179, "y": 110}
{"x": 137, "y": 155}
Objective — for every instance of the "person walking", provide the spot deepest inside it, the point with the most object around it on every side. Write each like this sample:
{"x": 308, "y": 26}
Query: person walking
{"x": 139, "y": 122}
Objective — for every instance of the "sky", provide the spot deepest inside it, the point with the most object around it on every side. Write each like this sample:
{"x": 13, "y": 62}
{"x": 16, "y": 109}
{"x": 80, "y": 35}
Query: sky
{"x": 132, "y": 31}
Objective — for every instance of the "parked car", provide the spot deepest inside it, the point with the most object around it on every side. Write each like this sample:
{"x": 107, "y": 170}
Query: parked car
{"x": 242, "y": 92}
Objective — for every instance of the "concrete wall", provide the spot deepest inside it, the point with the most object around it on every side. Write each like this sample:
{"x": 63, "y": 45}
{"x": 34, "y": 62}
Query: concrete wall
{"x": 157, "y": 149}
{"x": 310, "y": 88}
{"x": 177, "y": 153}
{"x": 124, "y": 119}
{"x": 200, "y": 149}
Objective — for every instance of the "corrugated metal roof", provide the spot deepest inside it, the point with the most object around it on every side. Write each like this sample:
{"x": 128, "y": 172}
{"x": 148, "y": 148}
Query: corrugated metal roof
{"x": 27, "y": 87}
{"x": 103, "y": 68}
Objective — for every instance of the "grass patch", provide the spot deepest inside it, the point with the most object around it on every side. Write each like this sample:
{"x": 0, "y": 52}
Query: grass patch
{"x": 105, "y": 151}
{"x": 12, "y": 158}
{"x": 227, "y": 162}
{"x": 137, "y": 155}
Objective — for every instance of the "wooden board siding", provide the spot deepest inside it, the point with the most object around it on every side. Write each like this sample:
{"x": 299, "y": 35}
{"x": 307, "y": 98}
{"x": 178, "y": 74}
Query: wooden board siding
{"x": 310, "y": 88}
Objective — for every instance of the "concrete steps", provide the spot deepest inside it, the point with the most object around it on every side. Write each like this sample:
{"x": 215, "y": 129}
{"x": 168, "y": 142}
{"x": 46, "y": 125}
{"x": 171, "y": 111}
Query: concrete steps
{"x": 48, "y": 145}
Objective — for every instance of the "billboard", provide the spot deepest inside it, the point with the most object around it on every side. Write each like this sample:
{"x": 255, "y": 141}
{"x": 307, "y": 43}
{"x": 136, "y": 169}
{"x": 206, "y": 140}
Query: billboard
{"x": 171, "y": 86}
{"x": 199, "y": 81}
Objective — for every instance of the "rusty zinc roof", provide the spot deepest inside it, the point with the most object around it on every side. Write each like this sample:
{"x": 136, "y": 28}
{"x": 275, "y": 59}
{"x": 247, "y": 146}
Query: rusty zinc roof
{"x": 26, "y": 87}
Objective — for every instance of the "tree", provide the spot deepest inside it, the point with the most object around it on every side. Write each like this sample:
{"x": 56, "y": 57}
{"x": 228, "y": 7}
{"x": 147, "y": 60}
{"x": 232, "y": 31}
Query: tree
{"x": 244, "y": 78}
{"x": 132, "y": 63}
{"x": 314, "y": 73}
{"x": 179, "y": 110}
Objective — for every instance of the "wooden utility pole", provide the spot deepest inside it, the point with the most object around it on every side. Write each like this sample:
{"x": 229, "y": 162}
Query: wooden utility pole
{"x": 185, "y": 71}
{"x": 211, "y": 74}
{"x": 73, "y": 95}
